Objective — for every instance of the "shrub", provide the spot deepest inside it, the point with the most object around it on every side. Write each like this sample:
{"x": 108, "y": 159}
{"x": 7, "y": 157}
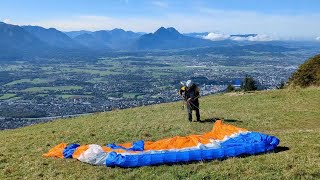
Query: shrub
{"x": 230, "y": 88}
{"x": 308, "y": 73}
{"x": 248, "y": 84}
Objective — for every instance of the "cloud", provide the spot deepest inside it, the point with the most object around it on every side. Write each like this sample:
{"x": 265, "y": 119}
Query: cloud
{"x": 258, "y": 37}
{"x": 220, "y": 36}
{"x": 216, "y": 36}
{"x": 160, "y": 4}
{"x": 93, "y": 23}
{"x": 285, "y": 25}
{"x": 8, "y": 21}
{"x": 198, "y": 20}
{"x": 318, "y": 38}
{"x": 238, "y": 38}
{"x": 261, "y": 37}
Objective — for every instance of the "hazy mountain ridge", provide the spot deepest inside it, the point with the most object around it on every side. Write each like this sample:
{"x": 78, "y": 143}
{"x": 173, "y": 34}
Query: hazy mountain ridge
{"x": 35, "y": 41}
{"x": 115, "y": 39}
{"x": 17, "y": 42}
{"x": 73, "y": 34}
{"x": 52, "y": 37}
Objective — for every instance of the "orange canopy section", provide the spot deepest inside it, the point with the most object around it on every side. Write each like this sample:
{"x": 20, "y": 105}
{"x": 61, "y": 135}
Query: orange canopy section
{"x": 79, "y": 151}
{"x": 57, "y": 151}
{"x": 219, "y": 132}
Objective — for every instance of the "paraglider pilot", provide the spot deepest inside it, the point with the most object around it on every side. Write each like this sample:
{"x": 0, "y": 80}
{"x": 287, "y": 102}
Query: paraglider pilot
{"x": 190, "y": 92}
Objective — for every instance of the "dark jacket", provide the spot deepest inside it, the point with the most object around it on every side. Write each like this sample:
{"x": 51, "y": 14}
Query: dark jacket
{"x": 193, "y": 92}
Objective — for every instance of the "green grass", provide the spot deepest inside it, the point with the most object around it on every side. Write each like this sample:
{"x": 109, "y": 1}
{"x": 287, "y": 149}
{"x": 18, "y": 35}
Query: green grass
{"x": 97, "y": 80}
{"x": 12, "y": 67}
{"x": 56, "y": 88}
{"x": 131, "y": 95}
{"x": 90, "y": 71}
{"x": 66, "y": 96}
{"x": 42, "y": 95}
{"x": 34, "y": 81}
{"x": 291, "y": 115}
{"x": 7, "y": 96}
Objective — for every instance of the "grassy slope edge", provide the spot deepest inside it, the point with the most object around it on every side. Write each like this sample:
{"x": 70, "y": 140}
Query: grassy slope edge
{"x": 291, "y": 115}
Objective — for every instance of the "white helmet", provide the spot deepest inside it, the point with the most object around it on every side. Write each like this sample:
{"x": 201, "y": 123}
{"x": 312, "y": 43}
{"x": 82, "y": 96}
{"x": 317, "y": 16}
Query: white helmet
{"x": 189, "y": 83}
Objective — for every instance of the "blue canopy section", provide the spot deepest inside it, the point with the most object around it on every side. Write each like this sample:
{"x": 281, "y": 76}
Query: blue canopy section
{"x": 136, "y": 146}
{"x": 244, "y": 144}
{"x": 69, "y": 150}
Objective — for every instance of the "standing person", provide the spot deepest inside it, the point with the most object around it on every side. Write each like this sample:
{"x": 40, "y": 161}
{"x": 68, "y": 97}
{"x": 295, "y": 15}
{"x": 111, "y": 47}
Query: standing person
{"x": 191, "y": 93}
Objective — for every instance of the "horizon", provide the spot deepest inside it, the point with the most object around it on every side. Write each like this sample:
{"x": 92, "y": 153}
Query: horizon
{"x": 271, "y": 19}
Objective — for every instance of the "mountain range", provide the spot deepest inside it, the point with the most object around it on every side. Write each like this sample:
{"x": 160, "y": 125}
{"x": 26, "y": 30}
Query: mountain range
{"x": 52, "y": 37}
{"x": 29, "y": 41}
{"x": 116, "y": 39}
{"x": 21, "y": 41}
{"x": 16, "y": 42}
{"x": 169, "y": 38}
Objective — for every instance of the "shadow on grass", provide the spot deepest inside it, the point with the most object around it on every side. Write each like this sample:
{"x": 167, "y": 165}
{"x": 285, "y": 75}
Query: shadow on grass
{"x": 212, "y": 120}
{"x": 280, "y": 149}
{"x": 232, "y": 120}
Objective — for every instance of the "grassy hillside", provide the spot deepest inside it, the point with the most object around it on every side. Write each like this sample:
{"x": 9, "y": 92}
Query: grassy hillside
{"x": 291, "y": 115}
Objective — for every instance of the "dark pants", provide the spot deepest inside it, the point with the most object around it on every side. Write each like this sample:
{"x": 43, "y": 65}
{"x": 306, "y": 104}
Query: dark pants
{"x": 193, "y": 106}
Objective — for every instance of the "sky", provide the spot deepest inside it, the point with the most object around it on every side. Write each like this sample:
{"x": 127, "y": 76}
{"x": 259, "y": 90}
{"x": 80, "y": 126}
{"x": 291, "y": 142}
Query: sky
{"x": 275, "y": 19}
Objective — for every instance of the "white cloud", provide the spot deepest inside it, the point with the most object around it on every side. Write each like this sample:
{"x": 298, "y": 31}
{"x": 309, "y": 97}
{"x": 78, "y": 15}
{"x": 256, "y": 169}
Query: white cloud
{"x": 261, "y": 37}
{"x": 284, "y": 25}
{"x": 92, "y": 22}
{"x": 160, "y": 4}
{"x": 8, "y": 21}
{"x": 205, "y": 20}
{"x": 238, "y": 38}
{"x": 216, "y": 36}
{"x": 220, "y": 36}
{"x": 318, "y": 38}
{"x": 258, "y": 37}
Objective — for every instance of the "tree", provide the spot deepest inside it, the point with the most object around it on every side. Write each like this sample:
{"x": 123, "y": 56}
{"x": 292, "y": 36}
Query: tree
{"x": 248, "y": 84}
{"x": 308, "y": 73}
{"x": 281, "y": 85}
{"x": 230, "y": 88}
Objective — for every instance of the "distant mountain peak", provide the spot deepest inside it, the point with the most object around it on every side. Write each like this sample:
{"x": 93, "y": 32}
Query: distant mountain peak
{"x": 161, "y": 28}
{"x": 172, "y": 29}
{"x": 169, "y": 29}
{"x": 118, "y": 30}
{"x": 53, "y": 29}
{"x": 167, "y": 32}
{"x": 169, "y": 38}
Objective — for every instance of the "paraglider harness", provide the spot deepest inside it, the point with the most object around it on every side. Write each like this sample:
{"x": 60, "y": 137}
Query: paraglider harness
{"x": 191, "y": 96}
{"x": 189, "y": 103}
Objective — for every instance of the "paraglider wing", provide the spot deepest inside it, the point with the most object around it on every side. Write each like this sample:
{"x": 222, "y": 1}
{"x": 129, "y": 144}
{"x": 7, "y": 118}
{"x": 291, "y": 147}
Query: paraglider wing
{"x": 222, "y": 142}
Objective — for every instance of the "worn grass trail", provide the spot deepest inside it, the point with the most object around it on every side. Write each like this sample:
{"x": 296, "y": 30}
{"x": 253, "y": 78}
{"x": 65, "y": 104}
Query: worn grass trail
{"x": 291, "y": 115}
